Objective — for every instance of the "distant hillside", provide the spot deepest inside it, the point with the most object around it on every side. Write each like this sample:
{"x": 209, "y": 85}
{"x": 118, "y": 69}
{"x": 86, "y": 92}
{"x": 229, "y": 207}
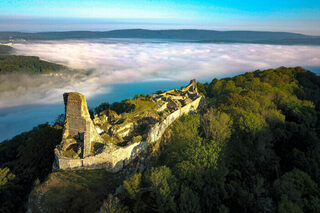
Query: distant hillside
{"x": 182, "y": 35}
{"x": 26, "y": 64}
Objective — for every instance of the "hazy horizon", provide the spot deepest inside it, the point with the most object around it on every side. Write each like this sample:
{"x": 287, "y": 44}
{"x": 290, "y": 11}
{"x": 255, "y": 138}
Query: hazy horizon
{"x": 36, "y": 24}
{"x": 152, "y": 29}
{"x": 98, "y": 15}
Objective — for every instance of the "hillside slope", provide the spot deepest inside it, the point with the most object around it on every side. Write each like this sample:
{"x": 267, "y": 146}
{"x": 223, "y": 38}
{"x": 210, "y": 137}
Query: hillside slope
{"x": 254, "y": 148}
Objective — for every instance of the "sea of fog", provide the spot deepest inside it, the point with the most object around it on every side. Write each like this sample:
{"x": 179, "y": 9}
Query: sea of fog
{"x": 108, "y": 70}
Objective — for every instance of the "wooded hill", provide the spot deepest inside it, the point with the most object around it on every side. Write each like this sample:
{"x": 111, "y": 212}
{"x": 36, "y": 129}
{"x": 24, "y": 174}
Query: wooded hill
{"x": 27, "y": 64}
{"x": 24, "y": 64}
{"x": 195, "y": 35}
{"x": 255, "y": 147}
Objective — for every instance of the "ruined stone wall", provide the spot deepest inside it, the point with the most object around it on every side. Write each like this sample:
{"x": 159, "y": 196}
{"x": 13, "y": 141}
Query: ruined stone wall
{"x": 112, "y": 161}
{"x": 158, "y": 129}
{"x": 124, "y": 155}
{"x": 116, "y": 158}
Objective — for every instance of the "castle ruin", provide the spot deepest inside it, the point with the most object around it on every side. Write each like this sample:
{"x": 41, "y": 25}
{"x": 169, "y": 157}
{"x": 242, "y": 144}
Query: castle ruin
{"x": 110, "y": 140}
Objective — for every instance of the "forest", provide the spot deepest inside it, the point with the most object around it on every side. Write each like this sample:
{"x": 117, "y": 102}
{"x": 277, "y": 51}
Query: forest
{"x": 26, "y": 160}
{"x": 254, "y": 147}
{"x": 26, "y": 64}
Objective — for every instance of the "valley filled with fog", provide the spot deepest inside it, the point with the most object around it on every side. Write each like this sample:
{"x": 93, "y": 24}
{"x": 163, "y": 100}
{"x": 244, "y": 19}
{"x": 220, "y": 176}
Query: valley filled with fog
{"x": 105, "y": 67}
{"x": 101, "y": 63}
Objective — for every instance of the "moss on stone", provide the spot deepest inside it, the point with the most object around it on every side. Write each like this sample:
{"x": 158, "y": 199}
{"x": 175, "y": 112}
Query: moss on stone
{"x": 109, "y": 139}
{"x": 70, "y": 138}
{"x": 70, "y": 153}
{"x": 136, "y": 139}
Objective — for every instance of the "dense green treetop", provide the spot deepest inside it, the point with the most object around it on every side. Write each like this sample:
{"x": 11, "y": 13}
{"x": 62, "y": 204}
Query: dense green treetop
{"x": 254, "y": 148}
{"x": 24, "y": 160}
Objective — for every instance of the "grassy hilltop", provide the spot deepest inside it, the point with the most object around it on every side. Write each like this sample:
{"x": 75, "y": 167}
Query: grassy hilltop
{"x": 255, "y": 147}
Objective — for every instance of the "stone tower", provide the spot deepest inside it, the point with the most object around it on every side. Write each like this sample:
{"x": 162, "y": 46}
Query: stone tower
{"x": 79, "y": 129}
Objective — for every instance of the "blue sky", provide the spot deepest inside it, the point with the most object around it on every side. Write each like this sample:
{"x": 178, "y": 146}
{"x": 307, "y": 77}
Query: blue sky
{"x": 277, "y": 15}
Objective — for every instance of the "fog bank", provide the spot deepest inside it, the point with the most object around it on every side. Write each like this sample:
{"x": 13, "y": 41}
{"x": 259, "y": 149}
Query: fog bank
{"x": 102, "y": 63}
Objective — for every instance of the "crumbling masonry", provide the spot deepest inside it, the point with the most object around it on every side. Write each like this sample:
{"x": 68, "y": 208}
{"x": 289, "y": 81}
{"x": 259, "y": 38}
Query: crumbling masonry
{"x": 81, "y": 134}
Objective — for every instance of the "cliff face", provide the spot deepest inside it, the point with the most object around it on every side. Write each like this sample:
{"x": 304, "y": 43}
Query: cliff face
{"x": 80, "y": 135}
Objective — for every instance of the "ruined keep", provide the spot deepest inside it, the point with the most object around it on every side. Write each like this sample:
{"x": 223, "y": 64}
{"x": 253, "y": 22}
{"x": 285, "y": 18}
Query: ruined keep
{"x": 79, "y": 130}
{"x": 110, "y": 140}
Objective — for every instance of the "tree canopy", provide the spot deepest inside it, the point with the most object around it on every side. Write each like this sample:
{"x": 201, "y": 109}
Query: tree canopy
{"x": 27, "y": 64}
{"x": 255, "y": 148}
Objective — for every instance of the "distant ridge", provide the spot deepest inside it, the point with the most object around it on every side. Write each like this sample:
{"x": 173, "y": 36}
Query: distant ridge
{"x": 190, "y": 35}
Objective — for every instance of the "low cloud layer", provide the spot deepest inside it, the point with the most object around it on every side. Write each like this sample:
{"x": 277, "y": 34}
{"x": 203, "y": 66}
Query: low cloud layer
{"x": 102, "y": 63}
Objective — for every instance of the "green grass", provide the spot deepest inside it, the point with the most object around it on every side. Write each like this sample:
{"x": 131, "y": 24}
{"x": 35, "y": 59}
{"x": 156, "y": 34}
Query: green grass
{"x": 136, "y": 139}
{"x": 109, "y": 139}
{"x": 142, "y": 107}
{"x": 70, "y": 153}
